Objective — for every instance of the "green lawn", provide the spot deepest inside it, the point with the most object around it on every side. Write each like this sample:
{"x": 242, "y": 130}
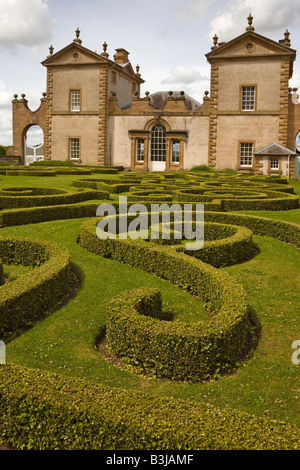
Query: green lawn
{"x": 268, "y": 384}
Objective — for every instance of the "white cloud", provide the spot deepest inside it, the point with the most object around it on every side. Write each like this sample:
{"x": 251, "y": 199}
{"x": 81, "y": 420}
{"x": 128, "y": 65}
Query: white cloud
{"x": 271, "y": 18}
{"x": 193, "y": 10}
{"x": 5, "y": 115}
{"x": 6, "y": 127}
{"x": 5, "y": 96}
{"x": 24, "y": 23}
{"x": 181, "y": 75}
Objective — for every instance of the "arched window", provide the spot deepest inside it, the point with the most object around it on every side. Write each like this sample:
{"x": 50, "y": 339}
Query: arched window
{"x": 158, "y": 143}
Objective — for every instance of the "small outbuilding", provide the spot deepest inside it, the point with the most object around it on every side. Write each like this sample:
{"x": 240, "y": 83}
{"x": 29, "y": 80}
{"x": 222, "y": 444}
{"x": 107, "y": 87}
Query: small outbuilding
{"x": 275, "y": 159}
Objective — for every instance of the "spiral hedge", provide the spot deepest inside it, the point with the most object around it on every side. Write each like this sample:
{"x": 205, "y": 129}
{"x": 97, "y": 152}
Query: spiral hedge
{"x": 176, "y": 350}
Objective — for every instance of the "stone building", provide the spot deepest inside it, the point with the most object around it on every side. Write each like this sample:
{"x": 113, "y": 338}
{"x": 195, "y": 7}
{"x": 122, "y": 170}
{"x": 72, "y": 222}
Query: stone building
{"x": 93, "y": 113}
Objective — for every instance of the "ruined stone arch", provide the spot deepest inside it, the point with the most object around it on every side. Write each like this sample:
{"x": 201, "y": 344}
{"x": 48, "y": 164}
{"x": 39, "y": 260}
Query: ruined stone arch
{"x": 23, "y": 118}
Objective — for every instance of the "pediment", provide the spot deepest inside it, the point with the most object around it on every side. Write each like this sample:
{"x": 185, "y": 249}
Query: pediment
{"x": 74, "y": 54}
{"x": 128, "y": 69}
{"x": 250, "y": 44}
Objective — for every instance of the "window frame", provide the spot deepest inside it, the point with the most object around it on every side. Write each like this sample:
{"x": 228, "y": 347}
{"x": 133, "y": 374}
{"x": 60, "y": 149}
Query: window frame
{"x": 113, "y": 77}
{"x": 243, "y": 165}
{"x": 138, "y": 151}
{"x": 273, "y": 169}
{"x": 158, "y": 143}
{"x": 71, "y": 139}
{"x": 78, "y": 90}
{"x": 245, "y": 100}
{"x": 177, "y": 154}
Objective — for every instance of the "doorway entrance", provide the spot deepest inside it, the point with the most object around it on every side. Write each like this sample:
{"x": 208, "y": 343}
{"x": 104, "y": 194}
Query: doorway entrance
{"x": 158, "y": 148}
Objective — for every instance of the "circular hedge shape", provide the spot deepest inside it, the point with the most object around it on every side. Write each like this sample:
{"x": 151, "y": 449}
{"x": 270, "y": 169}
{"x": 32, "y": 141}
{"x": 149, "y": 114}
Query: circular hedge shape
{"x": 234, "y": 199}
{"x": 150, "y": 195}
{"x": 28, "y": 298}
{"x": 17, "y": 197}
{"x": 224, "y": 244}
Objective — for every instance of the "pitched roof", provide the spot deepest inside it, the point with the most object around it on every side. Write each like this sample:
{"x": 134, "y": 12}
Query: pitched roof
{"x": 52, "y": 59}
{"x": 274, "y": 149}
{"x": 251, "y": 35}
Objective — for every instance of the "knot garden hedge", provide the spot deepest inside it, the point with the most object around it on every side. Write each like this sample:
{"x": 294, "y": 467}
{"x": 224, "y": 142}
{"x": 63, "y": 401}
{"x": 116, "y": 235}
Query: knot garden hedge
{"x": 134, "y": 327}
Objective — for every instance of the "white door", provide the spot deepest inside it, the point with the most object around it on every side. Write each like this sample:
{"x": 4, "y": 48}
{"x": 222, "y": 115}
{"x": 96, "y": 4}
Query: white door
{"x": 157, "y": 166}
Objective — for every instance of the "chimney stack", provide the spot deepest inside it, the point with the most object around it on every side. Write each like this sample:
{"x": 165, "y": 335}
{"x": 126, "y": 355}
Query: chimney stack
{"x": 121, "y": 56}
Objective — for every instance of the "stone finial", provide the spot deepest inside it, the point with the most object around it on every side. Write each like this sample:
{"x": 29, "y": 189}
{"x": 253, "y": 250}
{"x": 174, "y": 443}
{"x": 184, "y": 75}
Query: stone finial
{"x": 104, "y": 53}
{"x": 51, "y": 49}
{"x": 215, "y": 40}
{"x": 77, "y": 32}
{"x": 286, "y": 41}
{"x": 138, "y": 71}
{"x": 44, "y": 94}
{"x": 250, "y": 27}
{"x": 23, "y": 96}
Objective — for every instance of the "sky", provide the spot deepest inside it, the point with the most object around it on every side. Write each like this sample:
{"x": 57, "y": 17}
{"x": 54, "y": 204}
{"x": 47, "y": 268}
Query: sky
{"x": 168, "y": 39}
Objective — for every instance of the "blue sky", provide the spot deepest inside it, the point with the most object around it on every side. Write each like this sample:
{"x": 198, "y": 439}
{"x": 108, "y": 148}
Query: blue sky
{"x": 167, "y": 38}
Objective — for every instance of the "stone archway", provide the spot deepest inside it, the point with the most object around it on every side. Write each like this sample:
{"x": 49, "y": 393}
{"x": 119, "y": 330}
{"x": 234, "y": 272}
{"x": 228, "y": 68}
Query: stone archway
{"x": 23, "y": 119}
{"x": 33, "y": 144}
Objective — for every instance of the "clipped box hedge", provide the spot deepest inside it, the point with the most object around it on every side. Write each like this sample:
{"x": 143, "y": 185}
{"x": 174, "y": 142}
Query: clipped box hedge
{"x": 24, "y": 172}
{"x": 11, "y": 198}
{"x": 45, "y": 411}
{"x": 212, "y": 348}
{"x": 35, "y": 215}
{"x": 237, "y": 201}
{"x": 285, "y": 231}
{"x": 28, "y": 298}
{"x": 102, "y": 185}
{"x": 175, "y": 350}
{"x": 234, "y": 248}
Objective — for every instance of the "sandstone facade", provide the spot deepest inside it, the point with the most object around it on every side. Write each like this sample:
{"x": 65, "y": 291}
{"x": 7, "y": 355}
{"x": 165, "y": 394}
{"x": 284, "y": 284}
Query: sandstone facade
{"x": 93, "y": 113}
